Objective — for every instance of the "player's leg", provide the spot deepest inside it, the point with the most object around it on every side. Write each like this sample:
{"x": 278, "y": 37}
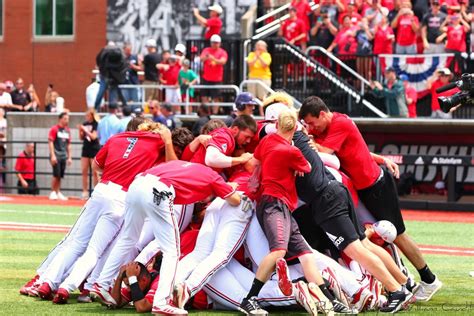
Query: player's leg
{"x": 256, "y": 243}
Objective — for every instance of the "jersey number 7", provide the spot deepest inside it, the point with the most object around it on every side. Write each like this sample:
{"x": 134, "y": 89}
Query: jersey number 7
{"x": 132, "y": 141}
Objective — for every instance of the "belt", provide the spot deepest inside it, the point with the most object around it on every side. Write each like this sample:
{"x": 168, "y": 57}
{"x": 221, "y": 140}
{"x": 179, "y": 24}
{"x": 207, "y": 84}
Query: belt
{"x": 115, "y": 185}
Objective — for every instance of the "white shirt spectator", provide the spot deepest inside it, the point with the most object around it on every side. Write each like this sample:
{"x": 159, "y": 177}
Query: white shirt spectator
{"x": 5, "y": 99}
{"x": 91, "y": 94}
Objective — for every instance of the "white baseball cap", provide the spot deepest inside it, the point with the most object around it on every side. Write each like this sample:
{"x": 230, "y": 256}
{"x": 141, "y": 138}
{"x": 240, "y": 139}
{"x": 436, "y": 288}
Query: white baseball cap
{"x": 150, "y": 43}
{"x": 216, "y": 7}
{"x": 180, "y": 48}
{"x": 386, "y": 230}
{"x": 273, "y": 111}
{"x": 216, "y": 38}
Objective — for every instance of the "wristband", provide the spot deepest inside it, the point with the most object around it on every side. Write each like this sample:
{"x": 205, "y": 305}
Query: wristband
{"x": 136, "y": 293}
{"x": 133, "y": 279}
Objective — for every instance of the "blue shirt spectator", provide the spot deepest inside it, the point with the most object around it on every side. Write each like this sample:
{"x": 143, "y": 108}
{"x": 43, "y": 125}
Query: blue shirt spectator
{"x": 109, "y": 125}
{"x": 127, "y": 117}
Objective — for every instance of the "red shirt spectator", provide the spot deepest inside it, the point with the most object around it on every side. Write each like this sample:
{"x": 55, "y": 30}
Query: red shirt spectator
{"x": 214, "y": 58}
{"x": 213, "y": 25}
{"x": 383, "y": 39}
{"x": 170, "y": 75}
{"x": 294, "y": 30}
{"x": 302, "y": 10}
{"x": 351, "y": 12}
{"x": 440, "y": 79}
{"x": 389, "y": 4}
{"x": 406, "y": 36}
{"x": 456, "y": 34}
{"x": 25, "y": 164}
{"x": 345, "y": 40}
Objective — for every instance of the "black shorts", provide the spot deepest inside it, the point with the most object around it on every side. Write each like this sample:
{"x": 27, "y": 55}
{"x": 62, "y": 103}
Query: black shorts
{"x": 31, "y": 189}
{"x": 89, "y": 151}
{"x": 334, "y": 211}
{"x": 312, "y": 232}
{"x": 59, "y": 168}
{"x": 211, "y": 93}
{"x": 280, "y": 227}
{"x": 381, "y": 199}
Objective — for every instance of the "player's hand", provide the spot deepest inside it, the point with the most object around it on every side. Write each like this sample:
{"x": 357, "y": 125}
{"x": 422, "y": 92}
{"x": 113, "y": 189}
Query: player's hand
{"x": 313, "y": 145}
{"x": 24, "y": 184}
{"x": 245, "y": 157}
{"x": 165, "y": 134}
{"x": 122, "y": 269}
{"x": 53, "y": 160}
{"x": 132, "y": 269}
{"x": 204, "y": 139}
{"x": 392, "y": 167}
{"x": 234, "y": 185}
{"x": 195, "y": 11}
{"x": 69, "y": 161}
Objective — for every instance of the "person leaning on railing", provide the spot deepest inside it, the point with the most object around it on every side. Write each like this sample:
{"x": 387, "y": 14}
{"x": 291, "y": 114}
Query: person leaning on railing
{"x": 259, "y": 69}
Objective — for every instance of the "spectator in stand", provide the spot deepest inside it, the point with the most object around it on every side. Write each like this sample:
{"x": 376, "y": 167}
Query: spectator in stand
{"x": 389, "y": 4}
{"x": 374, "y": 14}
{"x": 109, "y": 125}
{"x": 383, "y": 35}
{"x": 90, "y": 147}
{"x": 91, "y": 93}
{"x": 21, "y": 98}
{"x": 303, "y": 9}
{"x": 213, "y": 24}
{"x": 259, "y": 69}
{"x": 407, "y": 26}
{"x": 134, "y": 65}
{"x": 169, "y": 77}
{"x": 59, "y": 141}
{"x": 156, "y": 112}
{"x": 203, "y": 113}
{"x": 150, "y": 61}
{"x": 10, "y": 86}
{"x": 294, "y": 30}
{"x": 465, "y": 10}
{"x": 127, "y": 117}
{"x": 167, "y": 111}
{"x": 324, "y": 29}
{"x": 329, "y": 8}
{"x": 25, "y": 168}
{"x": 411, "y": 96}
{"x": 35, "y": 101}
{"x": 213, "y": 58}
{"x": 5, "y": 97}
{"x": 454, "y": 30}
{"x": 393, "y": 12}
{"x": 440, "y": 78}
{"x": 161, "y": 67}
{"x": 186, "y": 79}
{"x": 345, "y": 40}
{"x": 394, "y": 93}
{"x": 431, "y": 29}
{"x": 180, "y": 51}
{"x": 352, "y": 13}
{"x": 51, "y": 99}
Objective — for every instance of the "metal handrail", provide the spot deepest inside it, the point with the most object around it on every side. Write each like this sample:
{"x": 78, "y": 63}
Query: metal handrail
{"x": 272, "y": 13}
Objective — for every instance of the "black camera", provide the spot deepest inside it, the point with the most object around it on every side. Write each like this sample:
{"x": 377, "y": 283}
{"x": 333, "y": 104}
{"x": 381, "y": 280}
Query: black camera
{"x": 464, "y": 97}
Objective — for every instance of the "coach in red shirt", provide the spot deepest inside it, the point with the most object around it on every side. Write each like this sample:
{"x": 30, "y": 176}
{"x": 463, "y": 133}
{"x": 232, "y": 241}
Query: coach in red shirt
{"x": 213, "y": 58}
{"x": 337, "y": 133}
{"x": 25, "y": 168}
{"x": 213, "y": 25}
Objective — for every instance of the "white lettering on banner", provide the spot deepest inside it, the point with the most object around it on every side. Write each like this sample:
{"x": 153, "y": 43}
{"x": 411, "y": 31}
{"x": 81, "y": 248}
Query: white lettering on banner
{"x": 426, "y": 171}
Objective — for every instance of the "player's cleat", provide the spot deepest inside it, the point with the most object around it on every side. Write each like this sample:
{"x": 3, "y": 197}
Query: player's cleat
{"x": 250, "y": 306}
{"x": 283, "y": 275}
{"x": 334, "y": 286}
{"x": 24, "y": 288}
{"x": 395, "y": 302}
{"x": 102, "y": 295}
{"x": 411, "y": 285}
{"x": 321, "y": 301}
{"x": 61, "y": 296}
{"x": 181, "y": 295}
{"x": 362, "y": 299}
{"x": 303, "y": 297}
{"x": 53, "y": 195}
{"x": 62, "y": 197}
{"x": 426, "y": 291}
{"x": 168, "y": 310}
{"x": 341, "y": 308}
{"x": 45, "y": 292}
{"x": 33, "y": 290}
{"x": 84, "y": 297}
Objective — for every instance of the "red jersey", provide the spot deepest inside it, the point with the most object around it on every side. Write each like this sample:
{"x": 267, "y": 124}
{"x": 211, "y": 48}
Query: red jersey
{"x": 434, "y": 95}
{"x": 405, "y": 34}
{"x": 389, "y": 4}
{"x": 456, "y": 38}
{"x": 214, "y": 26}
{"x": 346, "y": 41}
{"x": 127, "y": 154}
{"x": 222, "y": 139}
{"x": 279, "y": 162}
{"x": 411, "y": 93}
{"x": 343, "y": 136}
{"x": 382, "y": 43}
{"x": 192, "y": 182}
{"x": 212, "y": 71}
{"x": 26, "y": 164}
{"x": 241, "y": 177}
{"x": 170, "y": 76}
{"x": 293, "y": 28}
{"x": 302, "y": 10}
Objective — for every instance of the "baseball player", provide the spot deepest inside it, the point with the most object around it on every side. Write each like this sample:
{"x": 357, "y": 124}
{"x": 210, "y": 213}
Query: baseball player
{"x": 151, "y": 195}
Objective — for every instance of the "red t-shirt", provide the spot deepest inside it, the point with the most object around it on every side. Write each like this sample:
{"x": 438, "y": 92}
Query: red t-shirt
{"x": 456, "y": 38}
{"x": 382, "y": 43}
{"x": 192, "y": 182}
{"x": 127, "y": 154}
{"x": 222, "y": 139}
{"x": 25, "y": 163}
{"x": 214, "y": 26}
{"x": 293, "y": 28}
{"x": 302, "y": 10}
{"x": 170, "y": 76}
{"x": 389, "y": 4}
{"x": 346, "y": 41}
{"x": 279, "y": 161}
{"x": 405, "y": 34}
{"x": 212, "y": 71}
{"x": 241, "y": 177}
{"x": 61, "y": 137}
{"x": 434, "y": 95}
{"x": 343, "y": 136}
{"x": 411, "y": 93}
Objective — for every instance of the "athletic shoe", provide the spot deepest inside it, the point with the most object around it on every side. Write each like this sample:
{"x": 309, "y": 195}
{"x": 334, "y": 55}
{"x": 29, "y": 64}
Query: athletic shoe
{"x": 283, "y": 275}
{"x": 168, "y": 310}
{"x": 303, "y": 297}
{"x": 53, "y": 195}
{"x": 24, "y": 288}
{"x": 61, "y": 296}
{"x": 334, "y": 286}
{"x": 84, "y": 297}
{"x": 33, "y": 290}
{"x": 250, "y": 306}
{"x": 362, "y": 299}
{"x": 426, "y": 291}
{"x": 102, "y": 295}
{"x": 322, "y": 302}
{"x": 45, "y": 292}
{"x": 340, "y": 308}
{"x": 181, "y": 295}
{"x": 411, "y": 285}
{"x": 395, "y": 302}
{"x": 62, "y": 197}
{"x": 410, "y": 299}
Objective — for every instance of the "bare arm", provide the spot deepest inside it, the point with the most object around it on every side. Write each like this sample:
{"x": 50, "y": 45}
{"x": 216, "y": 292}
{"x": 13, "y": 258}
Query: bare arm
{"x": 53, "y": 159}
{"x": 201, "y": 20}
{"x": 393, "y": 167}
{"x": 216, "y": 159}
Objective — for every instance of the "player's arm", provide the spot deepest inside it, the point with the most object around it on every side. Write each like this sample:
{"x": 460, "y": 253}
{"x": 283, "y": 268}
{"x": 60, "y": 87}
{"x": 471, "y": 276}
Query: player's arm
{"x": 234, "y": 198}
{"x": 116, "y": 290}
{"x": 201, "y": 20}
{"x": 393, "y": 167}
{"x": 165, "y": 134}
{"x": 198, "y": 141}
{"x": 143, "y": 306}
{"x": 19, "y": 175}
{"x": 216, "y": 159}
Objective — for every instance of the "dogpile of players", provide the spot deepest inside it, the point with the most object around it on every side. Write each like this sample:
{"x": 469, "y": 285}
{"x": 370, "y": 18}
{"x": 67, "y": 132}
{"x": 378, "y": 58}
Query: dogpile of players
{"x": 292, "y": 212}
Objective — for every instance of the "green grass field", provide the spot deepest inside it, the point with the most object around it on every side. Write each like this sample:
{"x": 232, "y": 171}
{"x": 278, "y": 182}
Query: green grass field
{"x": 21, "y": 253}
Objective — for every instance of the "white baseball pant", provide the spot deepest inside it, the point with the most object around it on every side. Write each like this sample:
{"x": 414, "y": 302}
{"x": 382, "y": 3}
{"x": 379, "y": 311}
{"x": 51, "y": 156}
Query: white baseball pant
{"x": 223, "y": 231}
{"x": 106, "y": 200}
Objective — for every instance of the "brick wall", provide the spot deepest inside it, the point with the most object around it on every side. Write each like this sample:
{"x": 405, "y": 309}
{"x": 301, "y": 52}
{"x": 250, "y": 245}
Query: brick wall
{"x": 67, "y": 65}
